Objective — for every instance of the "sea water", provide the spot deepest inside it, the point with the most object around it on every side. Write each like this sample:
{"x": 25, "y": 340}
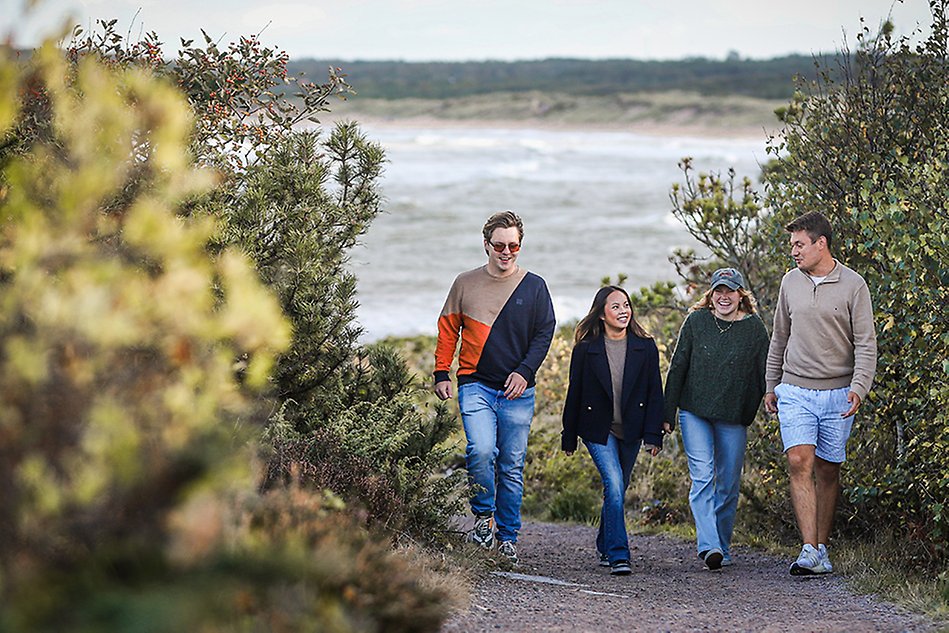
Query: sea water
{"x": 594, "y": 204}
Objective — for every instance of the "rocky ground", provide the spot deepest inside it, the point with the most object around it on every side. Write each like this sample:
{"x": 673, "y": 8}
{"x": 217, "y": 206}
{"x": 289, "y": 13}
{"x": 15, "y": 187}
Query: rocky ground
{"x": 558, "y": 586}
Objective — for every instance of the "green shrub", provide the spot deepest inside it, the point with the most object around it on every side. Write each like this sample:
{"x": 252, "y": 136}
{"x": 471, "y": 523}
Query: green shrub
{"x": 868, "y": 144}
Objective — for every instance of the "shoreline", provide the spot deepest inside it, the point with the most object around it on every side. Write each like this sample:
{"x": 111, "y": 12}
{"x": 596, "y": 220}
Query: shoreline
{"x": 650, "y": 114}
{"x": 640, "y": 128}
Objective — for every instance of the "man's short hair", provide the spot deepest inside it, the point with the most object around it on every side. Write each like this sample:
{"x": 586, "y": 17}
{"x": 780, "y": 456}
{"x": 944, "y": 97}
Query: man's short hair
{"x": 814, "y": 224}
{"x": 503, "y": 220}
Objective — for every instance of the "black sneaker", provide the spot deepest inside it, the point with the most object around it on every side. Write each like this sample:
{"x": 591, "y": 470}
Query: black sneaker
{"x": 483, "y": 532}
{"x": 604, "y": 560}
{"x": 713, "y": 558}
{"x": 620, "y": 568}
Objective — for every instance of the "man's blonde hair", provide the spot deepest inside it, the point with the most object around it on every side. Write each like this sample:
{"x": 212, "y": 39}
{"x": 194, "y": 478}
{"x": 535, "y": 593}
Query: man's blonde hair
{"x": 503, "y": 220}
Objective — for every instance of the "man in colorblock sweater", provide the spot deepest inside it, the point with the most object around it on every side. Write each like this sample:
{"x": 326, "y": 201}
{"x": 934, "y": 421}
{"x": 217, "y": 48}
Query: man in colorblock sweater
{"x": 820, "y": 366}
{"x": 505, "y": 319}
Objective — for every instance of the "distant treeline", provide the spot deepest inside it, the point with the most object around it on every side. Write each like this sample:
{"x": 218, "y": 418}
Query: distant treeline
{"x": 767, "y": 79}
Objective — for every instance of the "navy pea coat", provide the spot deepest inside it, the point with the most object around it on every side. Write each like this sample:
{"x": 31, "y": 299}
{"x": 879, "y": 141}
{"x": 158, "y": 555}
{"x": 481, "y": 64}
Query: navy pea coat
{"x": 588, "y": 408}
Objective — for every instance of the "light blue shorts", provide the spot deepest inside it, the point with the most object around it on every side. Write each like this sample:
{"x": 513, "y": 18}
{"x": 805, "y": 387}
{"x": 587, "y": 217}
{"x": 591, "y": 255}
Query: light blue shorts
{"x": 812, "y": 416}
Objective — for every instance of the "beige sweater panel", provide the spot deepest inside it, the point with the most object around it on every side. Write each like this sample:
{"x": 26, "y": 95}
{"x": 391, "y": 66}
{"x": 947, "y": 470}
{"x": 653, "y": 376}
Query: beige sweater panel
{"x": 823, "y": 336}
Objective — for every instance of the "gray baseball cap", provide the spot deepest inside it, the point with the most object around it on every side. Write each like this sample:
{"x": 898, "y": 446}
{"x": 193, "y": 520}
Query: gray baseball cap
{"x": 727, "y": 277}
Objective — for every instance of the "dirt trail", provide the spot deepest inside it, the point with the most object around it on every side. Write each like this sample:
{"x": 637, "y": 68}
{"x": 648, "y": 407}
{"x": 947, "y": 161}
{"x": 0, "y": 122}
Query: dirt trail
{"x": 559, "y": 587}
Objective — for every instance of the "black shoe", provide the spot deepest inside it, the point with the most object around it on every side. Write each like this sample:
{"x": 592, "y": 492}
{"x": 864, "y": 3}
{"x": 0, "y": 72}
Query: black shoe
{"x": 604, "y": 560}
{"x": 620, "y": 568}
{"x": 713, "y": 558}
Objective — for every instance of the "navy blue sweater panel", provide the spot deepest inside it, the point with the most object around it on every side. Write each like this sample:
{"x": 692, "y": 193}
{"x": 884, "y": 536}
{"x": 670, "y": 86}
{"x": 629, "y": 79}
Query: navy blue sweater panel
{"x": 519, "y": 338}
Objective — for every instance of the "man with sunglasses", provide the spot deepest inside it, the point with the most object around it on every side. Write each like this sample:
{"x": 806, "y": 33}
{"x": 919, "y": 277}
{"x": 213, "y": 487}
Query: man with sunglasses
{"x": 505, "y": 319}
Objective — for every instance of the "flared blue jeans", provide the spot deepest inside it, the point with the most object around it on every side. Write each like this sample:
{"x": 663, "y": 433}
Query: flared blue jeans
{"x": 716, "y": 453}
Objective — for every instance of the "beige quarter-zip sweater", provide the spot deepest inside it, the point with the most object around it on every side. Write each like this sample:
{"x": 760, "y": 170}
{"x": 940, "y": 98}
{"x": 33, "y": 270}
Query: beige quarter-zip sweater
{"x": 823, "y": 335}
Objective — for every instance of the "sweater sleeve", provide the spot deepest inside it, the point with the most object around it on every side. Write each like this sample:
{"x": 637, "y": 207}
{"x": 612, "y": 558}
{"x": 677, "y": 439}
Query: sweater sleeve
{"x": 571, "y": 405}
{"x": 678, "y": 371}
{"x": 762, "y": 344}
{"x": 449, "y": 328}
{"x": 544, "y": 325}
{"x": 779, "y": 342}
{"x": 864, "y": 342}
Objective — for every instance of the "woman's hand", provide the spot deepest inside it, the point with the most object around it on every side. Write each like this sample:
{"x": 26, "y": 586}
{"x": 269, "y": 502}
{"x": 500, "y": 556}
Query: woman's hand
{"x": 666, "y": 428}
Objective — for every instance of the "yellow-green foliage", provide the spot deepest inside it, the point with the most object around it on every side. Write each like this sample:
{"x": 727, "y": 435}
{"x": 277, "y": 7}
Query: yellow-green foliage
{"x": 118, "y": 331}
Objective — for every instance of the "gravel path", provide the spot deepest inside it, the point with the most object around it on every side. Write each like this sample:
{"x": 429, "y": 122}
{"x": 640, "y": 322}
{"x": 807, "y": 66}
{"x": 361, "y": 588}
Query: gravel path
{"x": 558, "y": 587}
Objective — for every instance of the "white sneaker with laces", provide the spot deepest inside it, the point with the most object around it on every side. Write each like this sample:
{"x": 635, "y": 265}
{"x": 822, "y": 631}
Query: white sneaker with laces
{"x": 825, "y": 559}
{"x": 808, "y": 562}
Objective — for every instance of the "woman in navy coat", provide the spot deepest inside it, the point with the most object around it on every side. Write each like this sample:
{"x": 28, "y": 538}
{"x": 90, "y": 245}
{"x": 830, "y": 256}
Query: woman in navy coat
{"x": 614, "y": 402}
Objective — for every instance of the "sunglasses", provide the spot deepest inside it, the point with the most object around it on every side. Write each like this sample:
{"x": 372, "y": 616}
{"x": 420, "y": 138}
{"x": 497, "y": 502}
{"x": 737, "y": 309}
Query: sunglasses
{"x": 499, "y": 246}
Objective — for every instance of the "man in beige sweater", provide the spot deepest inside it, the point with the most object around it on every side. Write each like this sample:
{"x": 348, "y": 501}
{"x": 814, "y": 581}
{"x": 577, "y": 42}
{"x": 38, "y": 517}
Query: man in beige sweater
{"x": 820, "y": 366}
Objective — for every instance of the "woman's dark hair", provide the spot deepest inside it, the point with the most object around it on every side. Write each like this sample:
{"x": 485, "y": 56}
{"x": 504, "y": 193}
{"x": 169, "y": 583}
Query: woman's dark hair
{"x": 591, "y": 326}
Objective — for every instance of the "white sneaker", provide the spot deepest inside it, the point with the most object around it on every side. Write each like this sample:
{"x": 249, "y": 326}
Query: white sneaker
{"x": 808, "y": 562}
{"x": 509, "y": 550}
{"x": 825, "y": 559}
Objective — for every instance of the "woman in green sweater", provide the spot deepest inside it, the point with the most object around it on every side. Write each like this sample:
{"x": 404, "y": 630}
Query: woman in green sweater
{"x": 716, "y": 381}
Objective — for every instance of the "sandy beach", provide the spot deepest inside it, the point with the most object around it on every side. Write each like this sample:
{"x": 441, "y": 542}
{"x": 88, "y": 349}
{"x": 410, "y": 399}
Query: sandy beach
{"x": 672, "y": 114}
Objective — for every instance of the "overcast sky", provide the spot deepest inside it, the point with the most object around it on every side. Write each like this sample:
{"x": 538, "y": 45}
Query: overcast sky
{"x": 416, "y": 30}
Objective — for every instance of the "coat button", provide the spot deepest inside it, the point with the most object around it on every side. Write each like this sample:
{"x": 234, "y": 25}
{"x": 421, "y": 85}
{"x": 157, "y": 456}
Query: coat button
{"x": 641, "y": 404}
{"x": 589, "y": 408}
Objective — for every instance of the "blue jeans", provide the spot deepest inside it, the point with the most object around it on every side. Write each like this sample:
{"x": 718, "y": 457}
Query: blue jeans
{"x": 716, "y": 453}
{"x": 615, "y": 461}
{"x": 497, "y": 430}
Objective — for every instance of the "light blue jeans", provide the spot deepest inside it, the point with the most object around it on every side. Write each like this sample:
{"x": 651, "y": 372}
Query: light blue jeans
{"x": 716, "y": 453}
{"x": 615, "y": 461}
{"x": 497, "y": 430}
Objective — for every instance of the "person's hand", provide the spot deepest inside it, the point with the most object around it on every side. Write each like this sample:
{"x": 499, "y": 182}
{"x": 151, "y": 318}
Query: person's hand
{"x": 854, "y": 401}
{"x": 514, "y": 386}
{"x": 569, "y": 453}
{"x": 666, "y": 428}
{"x": 770, "y": 402}
{"x": 443, "y": 389}
{"x": 652, "y": 449}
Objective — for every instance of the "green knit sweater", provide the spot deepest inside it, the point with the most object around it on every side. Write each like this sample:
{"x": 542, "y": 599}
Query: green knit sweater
{"x": 715, "y": 374}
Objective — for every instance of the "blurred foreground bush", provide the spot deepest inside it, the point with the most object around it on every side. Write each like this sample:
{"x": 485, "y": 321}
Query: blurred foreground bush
{"x": 135, "y": 344}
